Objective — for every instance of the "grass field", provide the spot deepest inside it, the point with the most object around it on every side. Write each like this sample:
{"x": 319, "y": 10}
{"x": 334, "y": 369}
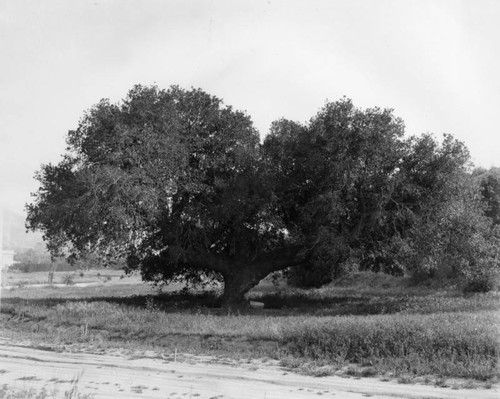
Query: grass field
{"x": 368, "y": 325}
{"x": 114, "y": 277}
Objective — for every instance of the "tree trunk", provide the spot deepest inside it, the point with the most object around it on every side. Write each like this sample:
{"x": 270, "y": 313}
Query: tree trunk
{"x": 236, "y": 284}
{"x": 53, "y": 267}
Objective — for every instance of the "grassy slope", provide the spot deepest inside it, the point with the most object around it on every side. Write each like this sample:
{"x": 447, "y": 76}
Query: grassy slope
{"x": 384, "y": 327}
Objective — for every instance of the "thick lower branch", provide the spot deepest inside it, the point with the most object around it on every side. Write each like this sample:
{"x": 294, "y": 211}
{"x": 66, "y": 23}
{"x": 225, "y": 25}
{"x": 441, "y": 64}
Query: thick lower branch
{"x": 241, "y": 275}
{"x": 281, "y": 258}
{"x": 266, "y": 262}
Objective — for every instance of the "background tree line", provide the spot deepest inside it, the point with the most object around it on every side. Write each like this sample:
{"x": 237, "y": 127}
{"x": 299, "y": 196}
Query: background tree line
{"x": 180, "y": 186}
{"x": 37, "y": 259}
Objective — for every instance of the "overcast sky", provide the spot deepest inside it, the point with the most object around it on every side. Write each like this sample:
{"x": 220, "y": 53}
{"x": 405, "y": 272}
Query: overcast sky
{"x": 435, "y": 62}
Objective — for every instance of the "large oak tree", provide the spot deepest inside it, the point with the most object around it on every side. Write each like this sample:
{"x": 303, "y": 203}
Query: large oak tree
{"x": 180, "y": 186}
{"x": 172, "y": 180}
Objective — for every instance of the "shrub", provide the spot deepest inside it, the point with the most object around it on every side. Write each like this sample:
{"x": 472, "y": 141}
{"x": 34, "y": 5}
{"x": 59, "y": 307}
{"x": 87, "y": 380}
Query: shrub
{"x": 68, "y": 279}
{"x": 481, "y": 283}
{"x": 21, "y": 283}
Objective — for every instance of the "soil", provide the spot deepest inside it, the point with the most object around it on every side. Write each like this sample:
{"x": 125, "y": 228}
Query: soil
{"x": 122, "y": 374}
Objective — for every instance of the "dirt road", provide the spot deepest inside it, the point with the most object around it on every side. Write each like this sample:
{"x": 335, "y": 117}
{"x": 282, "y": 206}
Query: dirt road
{"x": 118, "y": 375}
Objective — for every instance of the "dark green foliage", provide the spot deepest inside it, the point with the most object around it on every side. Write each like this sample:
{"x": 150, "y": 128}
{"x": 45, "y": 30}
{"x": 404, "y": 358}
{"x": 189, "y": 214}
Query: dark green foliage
{"x": 180, "y": 186}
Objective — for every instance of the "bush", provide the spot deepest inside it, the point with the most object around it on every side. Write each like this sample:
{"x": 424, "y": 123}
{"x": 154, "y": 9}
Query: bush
{"x": 481, "y": 283}
{"x": 68, "y": 279}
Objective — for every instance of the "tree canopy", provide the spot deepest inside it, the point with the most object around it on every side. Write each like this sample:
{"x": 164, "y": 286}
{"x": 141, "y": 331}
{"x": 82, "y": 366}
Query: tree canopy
{"x": 489, "y": 186}
{"x": 180, "y": 185}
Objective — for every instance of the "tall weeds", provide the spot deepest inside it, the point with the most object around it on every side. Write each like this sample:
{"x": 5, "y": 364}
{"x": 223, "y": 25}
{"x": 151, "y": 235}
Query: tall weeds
{"x": 458, "y": 345}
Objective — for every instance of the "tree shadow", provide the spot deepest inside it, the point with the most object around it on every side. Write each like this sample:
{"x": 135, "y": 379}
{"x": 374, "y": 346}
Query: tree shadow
{"x": 275, "y": 304}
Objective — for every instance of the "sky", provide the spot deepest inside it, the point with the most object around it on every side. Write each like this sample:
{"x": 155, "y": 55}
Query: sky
{"x": 435, "y": 62}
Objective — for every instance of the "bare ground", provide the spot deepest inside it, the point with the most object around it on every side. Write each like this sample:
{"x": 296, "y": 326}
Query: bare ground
{"x": 121, "y": 374}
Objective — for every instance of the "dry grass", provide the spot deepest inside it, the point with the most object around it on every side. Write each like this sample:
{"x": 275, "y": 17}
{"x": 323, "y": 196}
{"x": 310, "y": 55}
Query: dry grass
{"x": 451, "y": 344}
{"x": 384, "y": 331}
{"x": 44, "y": 393}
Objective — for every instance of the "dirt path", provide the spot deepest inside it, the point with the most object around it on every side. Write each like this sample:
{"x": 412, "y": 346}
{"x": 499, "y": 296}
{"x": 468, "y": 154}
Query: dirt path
{"x": 119, "y": 376}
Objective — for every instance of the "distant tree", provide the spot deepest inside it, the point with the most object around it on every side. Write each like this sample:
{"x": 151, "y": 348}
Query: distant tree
{"x": 32, "y": 256}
